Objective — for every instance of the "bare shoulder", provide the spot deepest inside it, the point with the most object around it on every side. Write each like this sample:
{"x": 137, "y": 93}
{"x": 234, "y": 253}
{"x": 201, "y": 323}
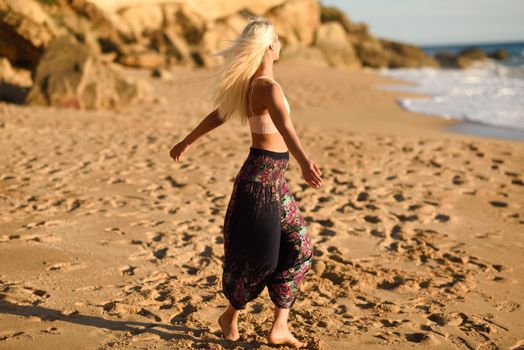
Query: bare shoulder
{"x": 270, "y": 91}
{"x": 265, "y": 83}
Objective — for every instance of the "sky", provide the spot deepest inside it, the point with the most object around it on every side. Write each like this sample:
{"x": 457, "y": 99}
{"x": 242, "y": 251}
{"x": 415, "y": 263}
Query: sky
{"x": 433, "y": 22}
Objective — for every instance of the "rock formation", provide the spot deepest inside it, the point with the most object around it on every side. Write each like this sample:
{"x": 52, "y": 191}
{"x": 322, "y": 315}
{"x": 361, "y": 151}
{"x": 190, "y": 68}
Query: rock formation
{"x": 25, "y": 30}
{"x": 375, "y": 52}
{"x": 464, "y": 59}
{"x": 14, "y": 82}
{"x": 68, "y": 75}
{"x": 339, "y": 52}
{"x": 499, "y": 54}
{"x": 162, "y": 33}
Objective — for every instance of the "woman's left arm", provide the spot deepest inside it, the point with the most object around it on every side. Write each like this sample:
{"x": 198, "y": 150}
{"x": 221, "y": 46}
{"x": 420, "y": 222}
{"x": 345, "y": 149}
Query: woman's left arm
{"x": 210, "y": 122}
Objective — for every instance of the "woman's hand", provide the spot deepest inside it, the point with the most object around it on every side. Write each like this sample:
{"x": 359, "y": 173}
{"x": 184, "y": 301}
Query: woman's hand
{"x": 311, "y": 173}
{"x": 179, "y": 149}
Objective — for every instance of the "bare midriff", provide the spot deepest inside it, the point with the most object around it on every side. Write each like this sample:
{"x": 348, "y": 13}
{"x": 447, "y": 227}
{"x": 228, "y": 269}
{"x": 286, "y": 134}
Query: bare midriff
{"x": 272, "y": 142}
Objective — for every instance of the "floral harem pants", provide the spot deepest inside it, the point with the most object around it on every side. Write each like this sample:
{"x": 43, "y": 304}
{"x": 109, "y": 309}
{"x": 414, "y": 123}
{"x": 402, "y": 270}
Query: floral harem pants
{"x": 266, "y": 239}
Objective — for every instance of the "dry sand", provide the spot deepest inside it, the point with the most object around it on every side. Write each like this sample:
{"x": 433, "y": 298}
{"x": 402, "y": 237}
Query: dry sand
{"x": 107, "y": 243}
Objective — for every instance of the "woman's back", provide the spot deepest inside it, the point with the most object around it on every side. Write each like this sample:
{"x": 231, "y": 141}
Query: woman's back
{"x": 264, "y": 133}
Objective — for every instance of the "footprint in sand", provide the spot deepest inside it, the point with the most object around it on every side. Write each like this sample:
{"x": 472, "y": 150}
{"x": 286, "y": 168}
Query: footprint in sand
{"x": 115, "y": 180}
{"x": 507, "y": 305}
{"x": 372, "y": 219}
{"x": 115, "y": 229}
{"x": 438, "y": 318}
{"x": 148, "y": 223}
{"x": 128, "y": 270}
{"x": 517, "y": 182}
{"x": 18, "y": 335}
{"x": 182, "y": 316}
{"x": 23, "y": 295}
{"x": 458, "y": 342}
{"x": 498, "y": 204}
{"x": 155, "y": 236}
{"x": 417, "y": 337}
{"x": 73, "y": 204}
{"x": 391, "y": 283}
{"x": 487, "y": 235}
{"x": 406, "y": 218}
{"x": 116, "y": 202}
{"x": 88, "y": 288}
{"x": 457, "y": 180}
{"x": 51, "y": 330}
{"x": 399, "y": 197}
{"x": 148, "y": 314}
{"x": 6, "y": 177}
{"x": 413, "y": 207}
{"x": 42, "y": 238}
{"x": 362, "y": 196}
{"x": 160, "y": 253}
{"x": 66, "y": 266}
{"x": 504, "y": 280}
{"x": 117, "y": 307}
{"x": 475, "y": 326}
{"x": 34, "y": 224}
{"x": 442, "y": 217}
{"x": 8, "y": 238}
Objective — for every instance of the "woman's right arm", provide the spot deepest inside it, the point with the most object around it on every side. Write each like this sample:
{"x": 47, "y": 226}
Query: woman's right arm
{"x": 210, "y": 122}
{"x": 274, "y": 102}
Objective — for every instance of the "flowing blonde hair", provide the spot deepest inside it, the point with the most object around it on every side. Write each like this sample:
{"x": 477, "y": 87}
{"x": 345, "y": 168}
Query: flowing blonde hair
{"x": 242, "y": 58}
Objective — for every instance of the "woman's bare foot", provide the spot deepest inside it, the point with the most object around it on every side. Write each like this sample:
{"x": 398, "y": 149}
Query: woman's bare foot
{"x": 280, "y": 334}
{"x": 228, "y": 323}
{"x": 283, "y": 336}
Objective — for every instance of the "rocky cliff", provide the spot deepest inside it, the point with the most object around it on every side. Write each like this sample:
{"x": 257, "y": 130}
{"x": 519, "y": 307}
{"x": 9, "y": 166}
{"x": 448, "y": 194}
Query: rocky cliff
{"x": 185, "y": 32}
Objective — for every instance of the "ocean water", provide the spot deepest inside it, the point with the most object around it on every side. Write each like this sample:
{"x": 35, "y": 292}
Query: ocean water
{"x": 489, "y": 95}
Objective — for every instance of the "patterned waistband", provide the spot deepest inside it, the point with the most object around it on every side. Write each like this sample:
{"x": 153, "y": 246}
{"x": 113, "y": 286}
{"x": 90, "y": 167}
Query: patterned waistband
{"x": 264, "y": 166}
{"x": 264, "y": 152}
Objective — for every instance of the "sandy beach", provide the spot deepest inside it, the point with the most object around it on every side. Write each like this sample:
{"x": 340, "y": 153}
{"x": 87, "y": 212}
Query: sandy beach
{"x": 107, "y": 243}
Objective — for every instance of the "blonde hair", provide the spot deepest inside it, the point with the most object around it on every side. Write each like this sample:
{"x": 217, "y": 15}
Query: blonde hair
{"x": 242, "y": 59}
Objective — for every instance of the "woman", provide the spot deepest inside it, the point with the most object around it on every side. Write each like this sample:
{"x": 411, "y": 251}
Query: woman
{"x": 266, "y": 240}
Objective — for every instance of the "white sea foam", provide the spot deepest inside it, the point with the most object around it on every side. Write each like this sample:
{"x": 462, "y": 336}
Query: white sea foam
{"x": 487, "y": 93}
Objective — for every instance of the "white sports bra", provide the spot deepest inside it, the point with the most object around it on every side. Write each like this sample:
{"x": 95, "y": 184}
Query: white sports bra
{"x": 262, "y": 123}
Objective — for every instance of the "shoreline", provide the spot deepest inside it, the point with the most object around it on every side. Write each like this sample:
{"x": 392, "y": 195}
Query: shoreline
{"x": 460, "y": 126}
{"x": 488, "y": 131}
{"x": 399, "y": 120}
